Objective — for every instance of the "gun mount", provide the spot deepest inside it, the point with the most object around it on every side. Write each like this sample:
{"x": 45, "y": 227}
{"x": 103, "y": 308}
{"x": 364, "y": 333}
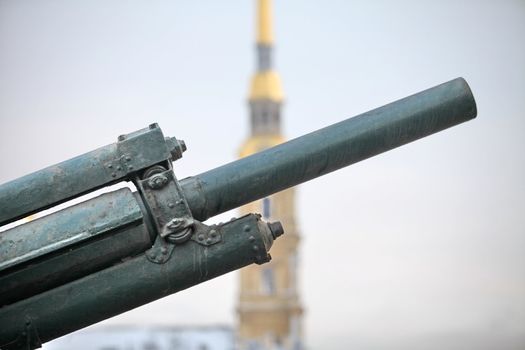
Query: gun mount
{"x": 123, "y": 249}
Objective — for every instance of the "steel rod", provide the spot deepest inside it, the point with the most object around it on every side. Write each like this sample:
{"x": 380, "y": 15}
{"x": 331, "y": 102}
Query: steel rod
{"x": 328, "y": 149}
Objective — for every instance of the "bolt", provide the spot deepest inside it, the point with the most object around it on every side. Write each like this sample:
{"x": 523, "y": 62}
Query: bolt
{"x": 157, "y": 181}
{"x": 176, "y": 147}
{"x": 276, "y": 229}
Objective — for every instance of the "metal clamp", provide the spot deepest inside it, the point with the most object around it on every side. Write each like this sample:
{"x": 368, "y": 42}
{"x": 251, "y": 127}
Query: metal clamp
{"x": 169, "y": 211}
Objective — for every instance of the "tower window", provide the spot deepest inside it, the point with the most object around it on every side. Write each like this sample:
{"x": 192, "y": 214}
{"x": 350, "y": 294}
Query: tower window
{"x": 268, "y": 281}
{"x": 264, "y": 117}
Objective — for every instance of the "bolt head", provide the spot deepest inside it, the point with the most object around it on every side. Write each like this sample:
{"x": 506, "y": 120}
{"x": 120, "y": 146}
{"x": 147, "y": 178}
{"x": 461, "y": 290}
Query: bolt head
{"x": 175, "y": 223}
{"x": 276, "y": 228}
{"x": 157, "y": 181}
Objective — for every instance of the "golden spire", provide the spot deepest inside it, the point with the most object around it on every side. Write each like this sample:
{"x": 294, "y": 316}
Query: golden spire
{"x": 266, "y": 84}
{"x": 264, "y": 22}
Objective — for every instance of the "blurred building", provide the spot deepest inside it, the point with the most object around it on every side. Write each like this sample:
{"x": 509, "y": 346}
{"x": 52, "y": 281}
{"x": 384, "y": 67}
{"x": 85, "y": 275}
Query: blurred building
{"x": 269, "y": 308}
{"x": 145, "y": 338}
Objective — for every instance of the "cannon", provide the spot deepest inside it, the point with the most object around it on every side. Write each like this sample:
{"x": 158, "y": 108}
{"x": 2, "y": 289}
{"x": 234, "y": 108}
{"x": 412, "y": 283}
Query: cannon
{"x": 130, "y": 246}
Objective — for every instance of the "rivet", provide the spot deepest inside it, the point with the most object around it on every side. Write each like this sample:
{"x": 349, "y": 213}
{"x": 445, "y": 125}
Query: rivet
{"x": 213, "y": 233}
{"x": 153, "y": 126}
{"x": 180, "y": 201}
{"x": 113, "y": 174}
{"x": 251, "y": 238}
{"x": 110, "y": 166}
{"x": 246, "y": 228}
{"x": 171, "y": 205}
{"x": 200, "y": 237}
{"x": 164, "y": 250}
{"x": 130, "y": 167}
{"x": 119, "y": 168}
{"x": 255, "y": 248}
{"x": 128, "y": 158}
{"x": 122, "y": 137}
{"x": 209, "y": 240}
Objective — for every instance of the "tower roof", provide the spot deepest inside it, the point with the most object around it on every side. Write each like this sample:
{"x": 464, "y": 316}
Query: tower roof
{"x": 266, "y": 85}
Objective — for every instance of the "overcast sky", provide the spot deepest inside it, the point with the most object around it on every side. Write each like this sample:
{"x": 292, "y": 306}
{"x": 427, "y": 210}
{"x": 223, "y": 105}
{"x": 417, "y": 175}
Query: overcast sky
{"x": 420, "y": 248}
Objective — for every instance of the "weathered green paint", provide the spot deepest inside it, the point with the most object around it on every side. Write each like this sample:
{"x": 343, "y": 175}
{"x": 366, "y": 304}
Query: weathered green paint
{"x": 106, "y": 165}
{"x": 122, "y": 250}
{"x": 329, "y": 149}
{"x": 71, "y": 243}
{"x": 133, "y": 283}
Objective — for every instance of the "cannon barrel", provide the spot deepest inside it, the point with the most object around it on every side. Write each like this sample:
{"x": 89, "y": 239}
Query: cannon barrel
{"x": 122, "y": 249}
{"x": 328, "y": 149}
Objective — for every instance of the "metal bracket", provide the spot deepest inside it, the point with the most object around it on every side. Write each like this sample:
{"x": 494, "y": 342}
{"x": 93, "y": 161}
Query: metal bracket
{"x": 121, "y": 166}
{"x": 202, "y": 234}
{"x": 161, "y": 251}
{"x": 169, "y": 211}
{"x": 207, "y": 235}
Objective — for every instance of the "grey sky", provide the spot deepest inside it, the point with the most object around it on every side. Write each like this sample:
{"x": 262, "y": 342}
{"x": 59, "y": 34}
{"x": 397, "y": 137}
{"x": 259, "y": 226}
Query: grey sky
{"x": 422, "y": 247}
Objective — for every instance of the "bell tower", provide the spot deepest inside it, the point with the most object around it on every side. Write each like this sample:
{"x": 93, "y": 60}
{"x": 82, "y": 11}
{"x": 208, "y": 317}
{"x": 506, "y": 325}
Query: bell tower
{"x": 269, "y": 308}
